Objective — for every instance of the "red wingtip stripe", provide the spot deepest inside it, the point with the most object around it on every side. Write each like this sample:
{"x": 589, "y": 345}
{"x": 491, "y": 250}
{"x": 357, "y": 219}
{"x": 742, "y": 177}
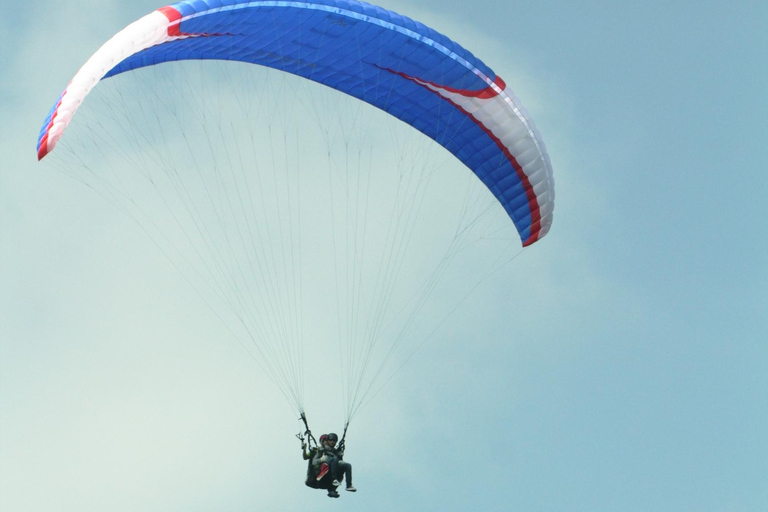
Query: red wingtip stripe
{"x": 489, "y": 92}
{"x": 535, "y": 232}
{"x": 174, "y": 24}
{"x": 533, "y": 202}
{"x": 174, "y": 18}
{"x": 43, "y": 148}
{"x": 483, "y": 94}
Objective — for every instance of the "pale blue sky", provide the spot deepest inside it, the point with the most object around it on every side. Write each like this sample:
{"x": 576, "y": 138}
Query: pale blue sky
{"x": 620, "y": 364}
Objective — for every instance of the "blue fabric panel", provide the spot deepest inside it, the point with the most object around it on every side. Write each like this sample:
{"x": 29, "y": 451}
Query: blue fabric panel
{"x": 357, "y": 52}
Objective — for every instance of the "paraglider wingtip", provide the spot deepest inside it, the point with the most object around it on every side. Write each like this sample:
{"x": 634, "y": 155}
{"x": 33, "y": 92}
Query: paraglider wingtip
{"x": 532, "y": 239}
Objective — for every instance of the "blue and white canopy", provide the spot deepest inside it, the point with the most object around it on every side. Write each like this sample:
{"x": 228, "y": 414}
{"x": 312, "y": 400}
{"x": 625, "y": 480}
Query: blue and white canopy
{"x": 401, "y": 66}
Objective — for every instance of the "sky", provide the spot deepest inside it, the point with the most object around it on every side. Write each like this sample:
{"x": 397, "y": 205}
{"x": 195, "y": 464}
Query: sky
{"x": 618, "y": 364}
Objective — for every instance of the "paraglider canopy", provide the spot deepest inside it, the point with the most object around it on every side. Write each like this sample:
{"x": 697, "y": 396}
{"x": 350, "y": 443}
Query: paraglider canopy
{"x": 401, "y": 66}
